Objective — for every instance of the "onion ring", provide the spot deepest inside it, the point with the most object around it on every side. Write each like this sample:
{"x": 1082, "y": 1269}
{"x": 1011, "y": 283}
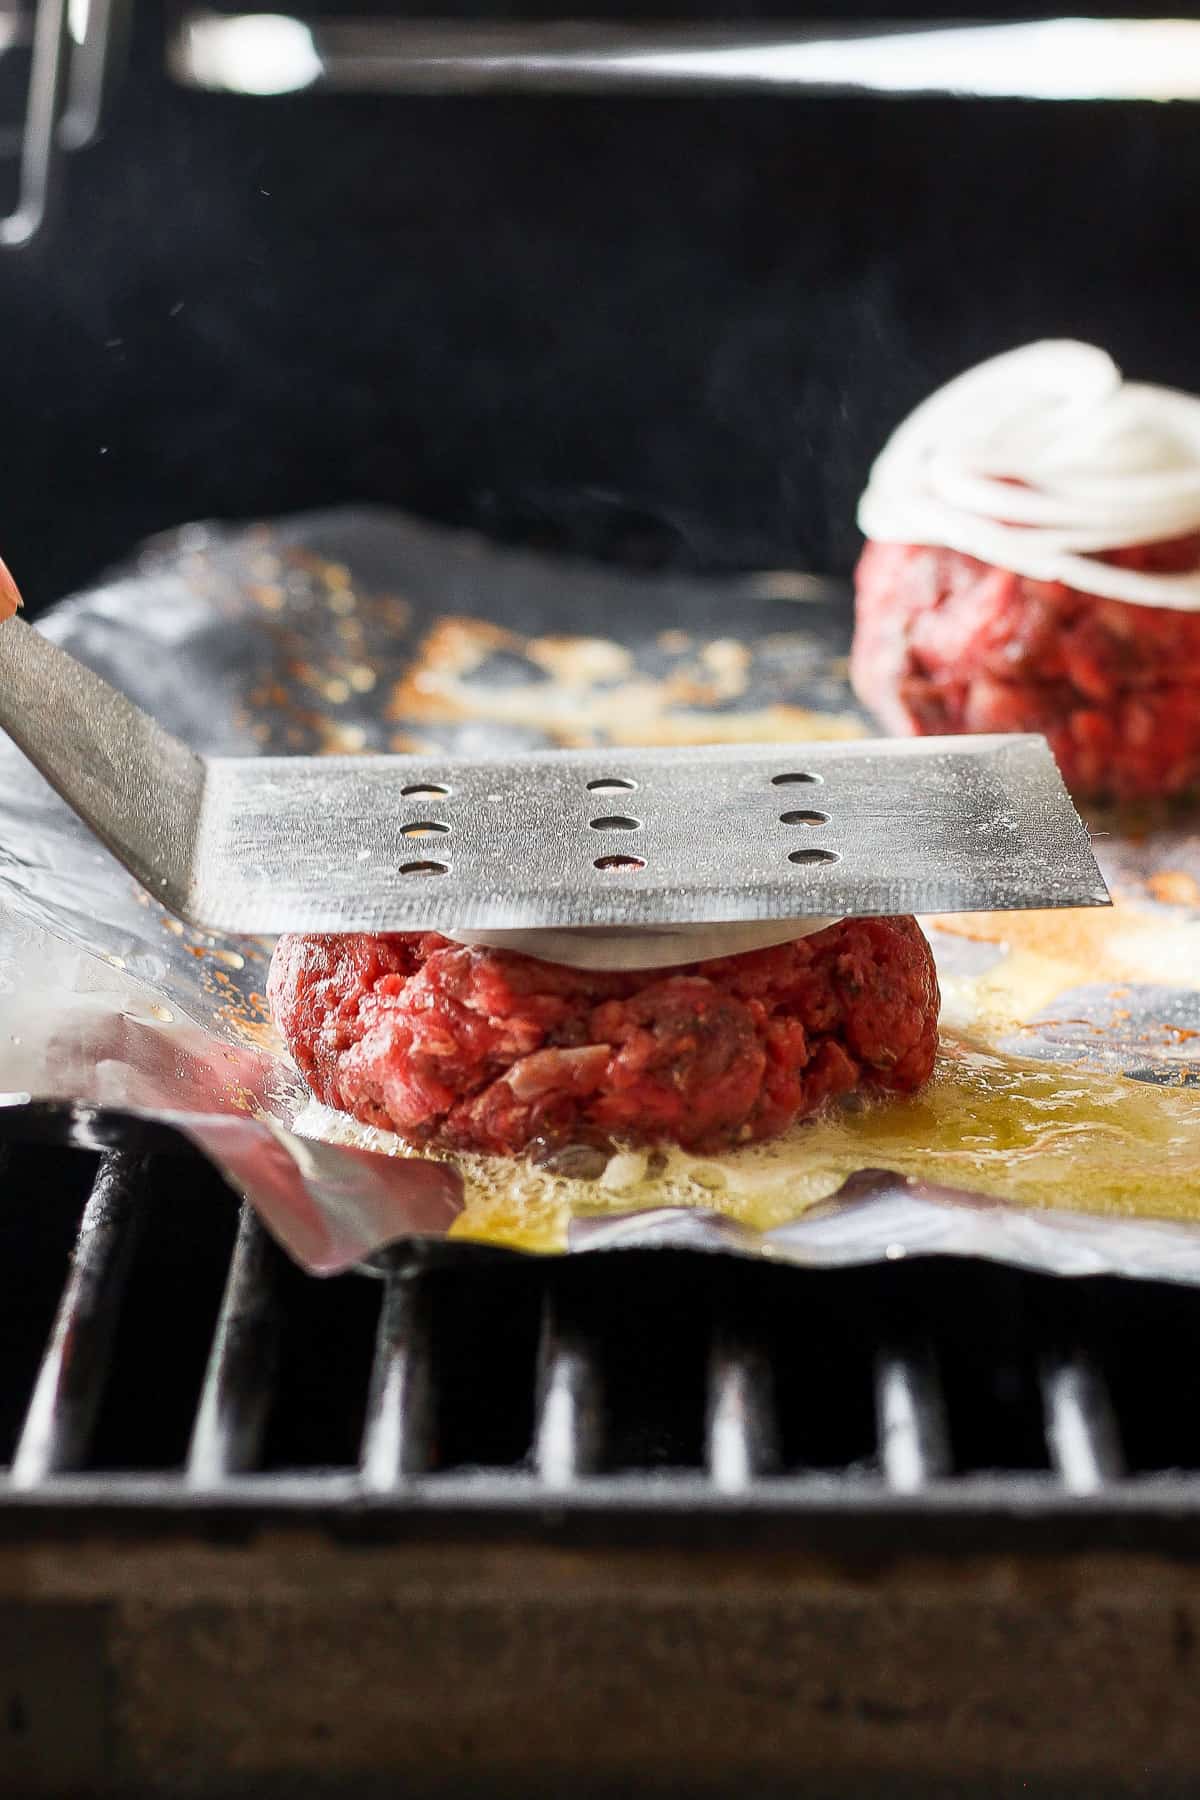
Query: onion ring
{"x": 1039, "y": 460}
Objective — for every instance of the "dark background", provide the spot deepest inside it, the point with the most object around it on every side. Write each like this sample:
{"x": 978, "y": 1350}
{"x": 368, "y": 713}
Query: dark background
{"x": 669, "y": 330}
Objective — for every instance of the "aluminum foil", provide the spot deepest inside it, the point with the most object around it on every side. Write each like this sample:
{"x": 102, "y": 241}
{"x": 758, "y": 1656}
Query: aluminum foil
{"x": 360, "y": 630}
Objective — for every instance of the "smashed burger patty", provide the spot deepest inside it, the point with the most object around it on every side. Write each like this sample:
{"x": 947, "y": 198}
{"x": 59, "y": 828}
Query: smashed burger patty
{"x": 490, "y": 1050}
{"x": 945, "y": 643}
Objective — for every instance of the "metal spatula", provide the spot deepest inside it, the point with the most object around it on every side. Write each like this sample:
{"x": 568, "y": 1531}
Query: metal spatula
{"x": 576, "y": 838}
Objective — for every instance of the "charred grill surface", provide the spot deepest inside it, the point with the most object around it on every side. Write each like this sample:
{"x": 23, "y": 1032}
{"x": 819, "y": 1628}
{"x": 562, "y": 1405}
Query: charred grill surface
{"x": 158, "y": 1350}
{"x": 648, "y": 1521}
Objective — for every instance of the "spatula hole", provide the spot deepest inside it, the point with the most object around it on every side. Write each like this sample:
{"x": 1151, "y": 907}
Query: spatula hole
{"x": 619, "y": 862}
{"x": 804, "y": 818}
{"x": 793, "y": 778}
{"x": 814, "y": 856}
{"x": 424, "y": 790}
{"x": 425, "y": 828}
{"x": 424, "y": 868}
{"x": 617, "y": 822}
{"x": 611, "y": 784}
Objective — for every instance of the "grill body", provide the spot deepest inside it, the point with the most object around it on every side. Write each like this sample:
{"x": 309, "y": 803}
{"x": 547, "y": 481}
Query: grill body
{"x": 632, "y": 1522}
{"x": 629, "y": 1523}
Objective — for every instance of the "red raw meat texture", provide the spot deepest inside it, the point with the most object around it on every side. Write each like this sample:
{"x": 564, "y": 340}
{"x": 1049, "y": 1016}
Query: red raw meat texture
{"x": 489, "y": 1050}
{"x": 945, "y": 643}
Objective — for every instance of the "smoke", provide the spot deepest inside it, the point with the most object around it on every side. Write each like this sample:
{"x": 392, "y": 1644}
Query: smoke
{"x": 666, "y": 331}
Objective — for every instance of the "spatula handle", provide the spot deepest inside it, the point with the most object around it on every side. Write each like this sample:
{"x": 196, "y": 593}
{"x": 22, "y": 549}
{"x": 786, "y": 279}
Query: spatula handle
{"x": 136, "y": 786}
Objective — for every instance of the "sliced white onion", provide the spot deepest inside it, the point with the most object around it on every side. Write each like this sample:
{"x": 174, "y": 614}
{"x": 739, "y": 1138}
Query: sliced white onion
{"x": 1037, "y": 460}
{"x": 597, "y": 947}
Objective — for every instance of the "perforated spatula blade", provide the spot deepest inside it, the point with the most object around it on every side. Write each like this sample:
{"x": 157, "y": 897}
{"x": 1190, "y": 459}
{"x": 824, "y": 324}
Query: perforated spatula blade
{"x": 553, "y": 839}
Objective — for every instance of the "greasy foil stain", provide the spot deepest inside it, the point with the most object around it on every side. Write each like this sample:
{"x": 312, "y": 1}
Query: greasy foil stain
{"x": 576, "y": 691}
{"x": 1066, "y": 1082}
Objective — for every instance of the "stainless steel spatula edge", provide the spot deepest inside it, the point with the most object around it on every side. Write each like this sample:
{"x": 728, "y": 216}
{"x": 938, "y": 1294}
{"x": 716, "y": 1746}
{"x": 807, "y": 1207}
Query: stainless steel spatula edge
{"x": 610, "y": 836}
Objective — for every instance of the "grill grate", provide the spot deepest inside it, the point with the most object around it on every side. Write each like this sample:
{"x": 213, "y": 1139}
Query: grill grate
{"x": 186, "y": 1360}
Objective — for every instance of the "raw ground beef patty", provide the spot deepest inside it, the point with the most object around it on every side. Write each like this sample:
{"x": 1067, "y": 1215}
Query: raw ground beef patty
{"x": 490, "y": 1050}
{"x": 944, "y": 643}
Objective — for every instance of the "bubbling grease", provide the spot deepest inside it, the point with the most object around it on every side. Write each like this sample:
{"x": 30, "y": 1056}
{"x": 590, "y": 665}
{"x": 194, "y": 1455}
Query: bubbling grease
{"x": 1012, "y": 1128}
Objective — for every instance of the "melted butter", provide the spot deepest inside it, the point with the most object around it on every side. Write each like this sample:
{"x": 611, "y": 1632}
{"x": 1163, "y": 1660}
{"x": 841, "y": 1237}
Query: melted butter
{"x": 1049, "y": 953}
{"x": 1080, "y": 943}
{"x": 1016, "y": 1129}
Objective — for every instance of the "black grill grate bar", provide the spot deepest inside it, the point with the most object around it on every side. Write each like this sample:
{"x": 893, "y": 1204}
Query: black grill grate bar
{"x": 57, "y": 1431}
{"x": 568, "y": 1404}
{"x": 742, "y": 1428}
{"x": 910, "y": 1417}
{"x": 239, "y": 1381}
{"x": 397, "y": 1440}
{"x": 1082, "y": 1434}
